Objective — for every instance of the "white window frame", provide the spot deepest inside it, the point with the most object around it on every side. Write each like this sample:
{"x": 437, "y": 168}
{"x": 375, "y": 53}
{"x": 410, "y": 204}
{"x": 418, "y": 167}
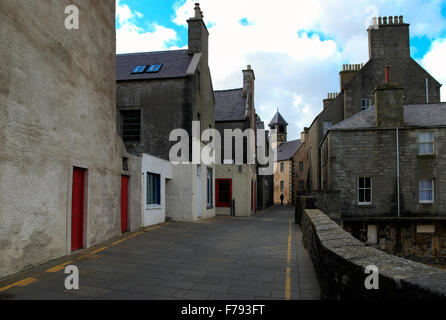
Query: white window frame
{"x": 431, "y": 190}
{"x": 423, "y": 143}
{"x": 371, "y": 191}
{"x": 209, "y": 187}
{"x": 366, "y": 107}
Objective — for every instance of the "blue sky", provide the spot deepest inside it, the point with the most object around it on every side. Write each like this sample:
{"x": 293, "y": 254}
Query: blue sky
{"x": 296, "y": 48}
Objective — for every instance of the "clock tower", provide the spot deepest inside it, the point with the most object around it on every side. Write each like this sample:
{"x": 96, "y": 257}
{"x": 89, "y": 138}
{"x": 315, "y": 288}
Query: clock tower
{"x": 278, "y": 124}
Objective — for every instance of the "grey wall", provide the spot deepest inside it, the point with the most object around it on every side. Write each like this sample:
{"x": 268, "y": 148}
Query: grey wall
{"x": 372, "y": 153}
{"x": 57, "y": 102}
{"x": 340, "y": 261}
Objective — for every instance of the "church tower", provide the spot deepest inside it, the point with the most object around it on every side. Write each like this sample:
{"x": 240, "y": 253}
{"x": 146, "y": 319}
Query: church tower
{"x": 278, "y": 124}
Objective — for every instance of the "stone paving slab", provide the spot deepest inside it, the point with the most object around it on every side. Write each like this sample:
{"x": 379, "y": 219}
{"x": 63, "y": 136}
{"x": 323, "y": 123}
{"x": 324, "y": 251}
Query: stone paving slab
{"x": 223, "y": 258}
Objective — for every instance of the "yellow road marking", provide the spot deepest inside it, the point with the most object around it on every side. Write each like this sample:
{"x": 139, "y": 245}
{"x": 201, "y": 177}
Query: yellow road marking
{"x": 99, "y": 250}
{"x": 56, "y": 268}
{"x": 288, "y": 268}
{"x": 20, "y": 283}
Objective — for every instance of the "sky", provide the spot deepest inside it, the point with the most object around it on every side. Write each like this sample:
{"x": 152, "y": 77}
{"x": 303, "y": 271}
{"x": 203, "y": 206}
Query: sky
{"x": 296, "y": 48}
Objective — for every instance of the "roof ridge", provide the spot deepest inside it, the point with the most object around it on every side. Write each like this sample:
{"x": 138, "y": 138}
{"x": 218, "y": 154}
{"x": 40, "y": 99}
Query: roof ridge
{"x": 148, "y": 52}
{"x": 224, "y": 90}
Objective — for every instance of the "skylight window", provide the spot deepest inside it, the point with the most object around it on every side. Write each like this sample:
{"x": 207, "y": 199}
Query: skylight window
{"x": 139, "y": 69}
{"x": 153, "y": 68}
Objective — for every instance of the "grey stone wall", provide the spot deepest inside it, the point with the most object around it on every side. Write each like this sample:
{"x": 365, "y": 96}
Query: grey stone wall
{"x": 340, "y": 261}
{"x": 57, "y": 102}
{"x": 372, "y": 153}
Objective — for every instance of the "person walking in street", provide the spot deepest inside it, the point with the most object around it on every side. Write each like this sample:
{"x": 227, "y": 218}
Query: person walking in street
{"x": 281, "y": 199}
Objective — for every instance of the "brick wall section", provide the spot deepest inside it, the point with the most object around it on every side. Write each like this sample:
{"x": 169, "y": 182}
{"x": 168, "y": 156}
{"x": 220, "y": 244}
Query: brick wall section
{"x": 340, "y": 261}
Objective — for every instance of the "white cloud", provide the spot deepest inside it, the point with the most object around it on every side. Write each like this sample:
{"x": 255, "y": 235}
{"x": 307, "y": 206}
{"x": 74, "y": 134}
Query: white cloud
{"x": 434, "y": 62}
{"x": 132, "y": 38}
{"x": 296, "y": 48}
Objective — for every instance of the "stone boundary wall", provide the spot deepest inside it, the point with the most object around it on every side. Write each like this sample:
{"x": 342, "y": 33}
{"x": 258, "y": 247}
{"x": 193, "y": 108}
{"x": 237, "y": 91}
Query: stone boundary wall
{"x": 340, "y": 261}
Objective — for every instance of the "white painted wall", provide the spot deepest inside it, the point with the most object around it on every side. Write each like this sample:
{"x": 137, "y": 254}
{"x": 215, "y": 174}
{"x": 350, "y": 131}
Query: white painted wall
{"x": 154, "y": 214}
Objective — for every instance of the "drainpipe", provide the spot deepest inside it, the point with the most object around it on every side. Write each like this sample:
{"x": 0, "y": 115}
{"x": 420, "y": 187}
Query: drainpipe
{"x": 427, "y": 90}
{"x": 398, "y": 169}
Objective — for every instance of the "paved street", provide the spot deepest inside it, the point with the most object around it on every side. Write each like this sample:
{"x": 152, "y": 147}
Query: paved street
{"x": 261, "y": 257}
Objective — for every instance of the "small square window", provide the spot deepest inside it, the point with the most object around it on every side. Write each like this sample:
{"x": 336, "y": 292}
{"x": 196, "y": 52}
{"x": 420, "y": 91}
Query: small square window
{"x": 153, "y": 68}
{"x": 139, "y": 69}
{"x": 427, "y": 191}
{"x": 426, "y": 143}
{"x": 365, "y": 103}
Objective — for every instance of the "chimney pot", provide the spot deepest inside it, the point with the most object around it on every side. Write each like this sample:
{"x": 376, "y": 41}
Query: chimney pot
{"x": 401, "y": 20}
{"x": 385, "y": 20}
{"x": 198, "y": 13}
{"x": 395, "y": 20}
{"x": 390, "y": 20}
{"x": 380, "y": 20}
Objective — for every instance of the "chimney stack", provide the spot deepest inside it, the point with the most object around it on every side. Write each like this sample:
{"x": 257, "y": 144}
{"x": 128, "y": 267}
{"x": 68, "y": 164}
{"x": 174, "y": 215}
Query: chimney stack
{"x": 248, "y": 81}
{"x": 304, "y": 135}
{"x": 347, "y": 73}
{"x": 198, "y": 34}
{"x": 389, "y": 39}
{"x": 389, "y": 104}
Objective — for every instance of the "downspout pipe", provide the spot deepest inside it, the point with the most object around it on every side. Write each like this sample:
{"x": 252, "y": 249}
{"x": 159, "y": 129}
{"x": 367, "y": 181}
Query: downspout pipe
{"x": 398, "y": 170}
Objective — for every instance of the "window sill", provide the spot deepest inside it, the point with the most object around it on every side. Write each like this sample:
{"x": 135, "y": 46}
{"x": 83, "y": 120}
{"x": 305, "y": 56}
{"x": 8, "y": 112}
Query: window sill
{"x": 426, "y": 156}
{"x": 153, "y": 207}
{"x": 365, "y": 205}
{"x": 210, "y": 207}
{"x": 427, "y": 202}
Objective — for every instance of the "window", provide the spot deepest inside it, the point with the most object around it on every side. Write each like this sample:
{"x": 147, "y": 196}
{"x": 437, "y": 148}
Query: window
{"x": 427, "y": 191}
{"x": 281, "y": 129}
{"x": 139, "y": 69}
{"x": 209, "y": 186}
{"x": 301, "y": 185}
{"x": 131, "y": 125}
{"x": 365, "y": 190}
{"x": 223, "y": 192}
{"x": 365, "y": 103}
{"x": 301, "y": 166}
{"x": 327, "y": 125}
{"x": 426, "y": 143}
{"x": 282, "y": 185}
{"x": 153, "y": 189}
{"x": 154, "y": 68}
{"x": 282, "y": 167}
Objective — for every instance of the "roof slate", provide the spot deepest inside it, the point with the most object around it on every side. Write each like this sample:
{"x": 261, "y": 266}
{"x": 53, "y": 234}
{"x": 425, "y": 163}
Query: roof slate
{"x": 415, "y": 115}
{"x": 175, "y": 64}
{"x": 287, "y": 149}
{"x": 277, "y": 119}
{"x": 230, "y": 105}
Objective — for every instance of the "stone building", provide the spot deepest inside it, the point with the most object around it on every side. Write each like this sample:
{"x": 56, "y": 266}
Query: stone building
{"x": 284, "y": 166}
{"x": 66, "y": 181}
{"x": 300, "y": 166}
{"x": 387, "y": 167}
{"x": 158, "y": 92}
{"x": 389, "y": 46}
{"x": 236, "y": 183}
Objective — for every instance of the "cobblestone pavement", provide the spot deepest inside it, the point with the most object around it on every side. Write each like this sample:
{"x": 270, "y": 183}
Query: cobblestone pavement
{"x": 259, "y": 257}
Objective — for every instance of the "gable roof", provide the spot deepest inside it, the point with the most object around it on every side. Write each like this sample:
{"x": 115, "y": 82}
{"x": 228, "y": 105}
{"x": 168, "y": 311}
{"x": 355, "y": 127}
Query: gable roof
{"x": 415, "y": 115}
{"x": 287, "y": 149}
{"x": 174, "y": 64}
{"x": 230, "y": 105}
{"x": 277, "y": 119}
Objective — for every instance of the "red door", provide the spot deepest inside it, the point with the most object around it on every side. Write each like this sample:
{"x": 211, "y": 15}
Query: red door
{"x": 124, "y": 203}
{"x": 77, "y": 209}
